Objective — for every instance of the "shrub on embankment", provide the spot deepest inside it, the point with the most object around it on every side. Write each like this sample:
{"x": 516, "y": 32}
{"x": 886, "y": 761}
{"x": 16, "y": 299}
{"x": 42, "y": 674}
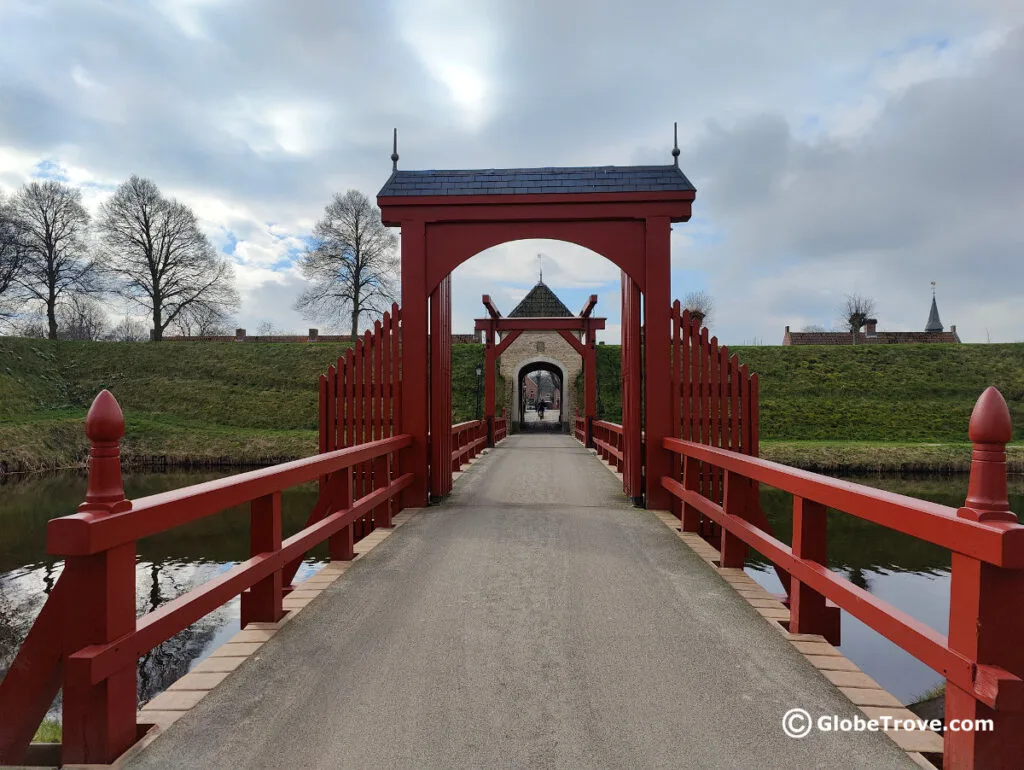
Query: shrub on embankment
{"x": 888, "y": 393}
{"x": 186, "y": 403}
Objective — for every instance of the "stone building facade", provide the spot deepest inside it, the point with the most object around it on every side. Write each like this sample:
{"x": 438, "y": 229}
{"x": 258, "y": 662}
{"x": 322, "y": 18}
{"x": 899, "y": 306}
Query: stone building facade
{"x": 533, "y": 350}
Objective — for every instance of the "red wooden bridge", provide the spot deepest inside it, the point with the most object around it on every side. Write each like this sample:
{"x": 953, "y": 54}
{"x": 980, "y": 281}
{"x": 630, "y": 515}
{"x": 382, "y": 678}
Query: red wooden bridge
{"x": 687, "y": 451}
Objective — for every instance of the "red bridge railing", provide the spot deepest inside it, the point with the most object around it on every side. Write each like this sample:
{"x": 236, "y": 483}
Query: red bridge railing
{"x": 468, "y": 440}
{"x": 87, "y": 640}
{"x": 500, "y": 428}
{"x": 579, "y": 429}
{"x": 361, "y": 401}
{"x": 983, "y": 656}
{"x": 608, "y": 442}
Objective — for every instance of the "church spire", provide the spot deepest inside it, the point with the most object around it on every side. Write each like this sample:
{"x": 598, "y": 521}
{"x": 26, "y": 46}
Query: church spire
{"x": 934, "y": 324}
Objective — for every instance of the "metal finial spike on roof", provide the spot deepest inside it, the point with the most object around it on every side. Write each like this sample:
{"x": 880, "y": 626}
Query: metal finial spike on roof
{"x": 933, "y": 289}
{"x": 540, "y": 260}
{"x": 394, "y": 153}
{"x": 675, "y": 145}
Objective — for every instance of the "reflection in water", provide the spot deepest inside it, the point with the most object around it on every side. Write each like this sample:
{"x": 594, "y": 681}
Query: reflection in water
{"x": 910, "y": 574}
{"x": 168, "y": 565}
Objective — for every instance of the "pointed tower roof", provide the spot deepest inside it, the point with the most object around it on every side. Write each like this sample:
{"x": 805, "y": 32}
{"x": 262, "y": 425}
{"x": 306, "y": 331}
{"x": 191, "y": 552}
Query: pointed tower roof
{"x": 934, "y": 324}
{"x": 541, "y": 302}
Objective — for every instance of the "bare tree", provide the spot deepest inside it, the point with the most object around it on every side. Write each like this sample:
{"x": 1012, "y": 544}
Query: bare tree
{"x": 12, "y": 257}
{"x": 267, "y": 329}
{"x": 203, "y": 321}
{"x": 352, "y": 265}
{"x": 163, "y": 260}
{"x": 128, "y": 329}
{"x": 700, "y": 304}
{"x": 31, "y": 325}
{"x": 54, "y": 226}
{"x": 81, "y": 317}
{"x": 857, "y": 309}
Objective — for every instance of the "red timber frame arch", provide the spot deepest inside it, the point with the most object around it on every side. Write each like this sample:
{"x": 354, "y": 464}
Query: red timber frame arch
{"x": 511, "y": 328}
{"x": 624, "y": 213}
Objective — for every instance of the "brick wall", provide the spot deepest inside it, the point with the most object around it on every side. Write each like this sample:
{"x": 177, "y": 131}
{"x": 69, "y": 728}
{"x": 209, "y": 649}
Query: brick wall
{"x": 865, "y": 338}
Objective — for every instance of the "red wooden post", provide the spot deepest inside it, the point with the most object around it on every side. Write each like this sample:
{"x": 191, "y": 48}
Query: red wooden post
{"x": 382, "y": 513}
{"x": 440, "y": 388}
{"x": 657, "y": 385}
{"x": 686, "y": 377}
{"x": 675, "y": 396}
{"x": 691, "y": 482}
{"x": 262, "y": 602}
{"x": 340, "y": 544}
{"x": 415, "y": 399}
{"x": 386, "y": 396}
{"x": 985, "y": 623}
{"x": 732, "y": 550}
{"x": 322, "y": 424}
{"x": 490, "y": 363}
{"x": 745, "y": 437}
{"x": 397, "y": 373}
{"x": 632, "y": 427}
{"x": 99, "y": 719}
{"x": 808, "y": 610}
{"x": 714, "y": 389}
{"x": 590, "y": 386}
{"x": 734, "y": 408}
{"x": 364, "y": 469}
{"x": 755, "y": 417}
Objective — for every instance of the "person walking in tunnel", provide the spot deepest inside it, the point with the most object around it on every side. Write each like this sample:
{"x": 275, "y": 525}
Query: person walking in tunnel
{"x": 540, "y": 410}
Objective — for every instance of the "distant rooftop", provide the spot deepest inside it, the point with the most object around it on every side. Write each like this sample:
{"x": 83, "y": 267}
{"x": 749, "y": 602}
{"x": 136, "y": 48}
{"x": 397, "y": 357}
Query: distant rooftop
{"x": 523, "y": 181}
{"x": 541, "y": 302}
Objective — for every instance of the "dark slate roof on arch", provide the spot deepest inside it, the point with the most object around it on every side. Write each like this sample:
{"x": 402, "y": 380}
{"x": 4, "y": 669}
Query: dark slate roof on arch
{"x": 524, "y": 181}
{"x": 541, "y": 302}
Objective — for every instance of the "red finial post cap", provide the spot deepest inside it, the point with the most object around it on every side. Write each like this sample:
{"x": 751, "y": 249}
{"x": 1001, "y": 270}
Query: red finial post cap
{"x": 104, "y": 426}
{"x": 990, "y": 431}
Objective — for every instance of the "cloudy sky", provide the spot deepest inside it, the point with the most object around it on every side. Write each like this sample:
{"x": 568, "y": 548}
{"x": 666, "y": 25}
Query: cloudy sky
{"x": 836, "y": 146}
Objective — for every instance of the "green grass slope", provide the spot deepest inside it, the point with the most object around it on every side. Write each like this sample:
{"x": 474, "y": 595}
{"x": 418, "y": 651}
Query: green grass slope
{"x": 867, "y": 393}
{"x": 201, "y": 403}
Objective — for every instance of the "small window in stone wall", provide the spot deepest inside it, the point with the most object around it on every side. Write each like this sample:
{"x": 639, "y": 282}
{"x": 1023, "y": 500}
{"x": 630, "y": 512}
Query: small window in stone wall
{"x": 540, "y": 347}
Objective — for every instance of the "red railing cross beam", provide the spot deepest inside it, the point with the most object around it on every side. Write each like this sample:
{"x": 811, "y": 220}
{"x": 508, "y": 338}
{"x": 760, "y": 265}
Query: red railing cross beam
{"x": 982, "y": 658}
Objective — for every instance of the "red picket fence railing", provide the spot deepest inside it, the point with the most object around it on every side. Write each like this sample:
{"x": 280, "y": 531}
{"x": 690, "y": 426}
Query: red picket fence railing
{"x": 468, "y": 440}
{"x": 579, "y": 429}
{"x": 982, "y": 658}
{"x": 87, "y": 641}
{"x": 715, "y": 403}
{"x": 500, "y": 428}
{"x": 361, "y": 401}
{"x": 608, "y": 442}
{"x": 714, "y": 398}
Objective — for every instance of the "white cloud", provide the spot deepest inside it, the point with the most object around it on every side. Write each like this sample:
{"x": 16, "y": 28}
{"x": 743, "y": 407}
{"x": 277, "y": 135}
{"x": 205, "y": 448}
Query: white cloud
{"x": 826, "y": 141}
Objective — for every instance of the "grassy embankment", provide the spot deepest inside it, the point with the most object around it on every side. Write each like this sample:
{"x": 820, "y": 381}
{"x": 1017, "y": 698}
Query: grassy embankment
{"x": 184, "y": 403}
{"x": 868, "y": 407}
{"x": 858, "y": 408}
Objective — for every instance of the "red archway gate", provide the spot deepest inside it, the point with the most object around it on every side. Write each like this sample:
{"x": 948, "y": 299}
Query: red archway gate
{"x": 624, "y": 213}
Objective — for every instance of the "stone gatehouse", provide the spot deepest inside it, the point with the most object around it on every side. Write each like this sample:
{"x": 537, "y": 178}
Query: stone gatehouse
{"x": 534, "y": 351}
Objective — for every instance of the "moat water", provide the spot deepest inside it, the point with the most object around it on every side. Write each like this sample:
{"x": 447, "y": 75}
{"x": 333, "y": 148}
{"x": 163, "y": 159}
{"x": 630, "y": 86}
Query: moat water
{"x": 910, "y": 574}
